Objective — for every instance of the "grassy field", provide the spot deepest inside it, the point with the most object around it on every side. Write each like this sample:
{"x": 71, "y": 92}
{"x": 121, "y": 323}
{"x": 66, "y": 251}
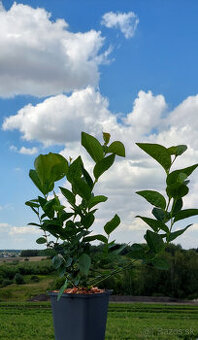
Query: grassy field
{"x": 25, "y": 292}
{"x": 8, "y": 260}
{"x": 28, "y": 321}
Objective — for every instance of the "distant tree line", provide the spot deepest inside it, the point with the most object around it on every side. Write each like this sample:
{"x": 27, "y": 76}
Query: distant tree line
{"x": 179, "y": 281}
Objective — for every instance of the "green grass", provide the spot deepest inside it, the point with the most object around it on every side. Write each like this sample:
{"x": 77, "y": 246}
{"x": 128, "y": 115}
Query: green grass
{"x": 25, "y": 292}
{"x": 28, "y": 321}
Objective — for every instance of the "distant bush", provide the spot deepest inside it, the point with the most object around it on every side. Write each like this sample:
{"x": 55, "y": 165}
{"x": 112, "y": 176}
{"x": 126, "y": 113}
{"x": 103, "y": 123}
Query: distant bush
{"x": 19, "y": 279}
{"x": 6, "y": 282}
{"x": 34, "y": 278}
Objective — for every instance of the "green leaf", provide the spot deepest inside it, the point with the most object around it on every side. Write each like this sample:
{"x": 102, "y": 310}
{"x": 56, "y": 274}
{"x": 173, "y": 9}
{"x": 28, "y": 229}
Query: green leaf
{"x": 61, "y": 291}
{"x": 161, "y": 215}
{"x": 177, "y": 150}
{"x": 177, "y": 190}
{"x": 81, "y": 188}
{"x": 158, "y": 152}
{"x": 154, "y": 241}
{"x": 177, "y": 233}
{"x": 98, "y": 237}
{"x": 57, "y": 261}
{"x": 185, "y": 214}
{"x": 112, "y": 224}
{"x": 93, "y": 146}
{"x": 103, "y": 165}
{"x": 42, "y": 201}
{"x": 153, "y": 197}
{"x": 64, "y": 216}
{"x": 49, "y": 169}
{"x": 106, "y": 137}
{"x": 95, "y": 200}
{"x": 49, "y": 209}
{"x": 175, "y": 176}
{"x": 32, "y": 204}
{"x": 84, "y": 264}
{"x": 75, "y": 169}
{"x": 35, "y": 179}
{"x": 68, "y": 195}
{"x": 41, "y": 240}
{"x": 154, "y": 224}
{"x": 177, "y": 206}
{"x": 87, "y": 178}
{"x": 87, "y": 220}
{"x": 117, "y": 148}
{"x": 35, "y": 224}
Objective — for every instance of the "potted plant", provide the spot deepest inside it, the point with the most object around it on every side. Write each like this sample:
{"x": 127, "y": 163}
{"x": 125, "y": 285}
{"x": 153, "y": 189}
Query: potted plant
{"x": 82, "y": 310}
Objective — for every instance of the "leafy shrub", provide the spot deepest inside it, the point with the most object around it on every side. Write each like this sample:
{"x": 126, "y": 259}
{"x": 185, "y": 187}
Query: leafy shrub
{"x": 19, "y": 279}
{"x": 34, "y": 278}
{"x": 6, "y": 282}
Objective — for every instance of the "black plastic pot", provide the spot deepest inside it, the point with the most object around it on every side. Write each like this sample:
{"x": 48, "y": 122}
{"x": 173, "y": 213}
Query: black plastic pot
{"x": 80, "y": 316}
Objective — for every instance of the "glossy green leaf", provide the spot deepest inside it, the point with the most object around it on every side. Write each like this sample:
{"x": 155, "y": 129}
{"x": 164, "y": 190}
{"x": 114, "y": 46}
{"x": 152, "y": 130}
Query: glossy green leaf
{"x": 185, "y": 214}
{"x": 75, "y": 169}
{"x": 117, "y": 148}
{"x": 87, "y": 220}
{"x": 158, "y": 152}
{"x": 42, "y": 201}
{"x": 49, "y": 209}
{"x": 177, "y": 233}
{"x": 35, "y": 224}
{"x": 154, "y": 241}
{"x": 32, "y": 204}
{"x": 81, "y": 188}
{"x": 177, "y": 206}
{"x": 93, "y": 146}
{"x": 161, "y": 215}
{"x": 87, "y": 178}
{"x": 49, "y": 169}
{"x": 57, "y": 261}
{"x": 84, "y": 264}
{"x": 98, "y": 237}
{"x": 61, "y": 291}
{"x": 154, "y": 224}
{"x": 41, "y": 240}
{"x": 177, "y": 190}
{"x": 177, "y": 150}
{"x": 95, "y": 200}
{"x": 103, "y": 165}
{"x": 68, "y": 195}
{"x": 153, "y": 197}
{"x": 175, "y": 176}
{"x": 106, "y": 137}
{"x": 35, "y": 179}
{"x": 112, "y": 224}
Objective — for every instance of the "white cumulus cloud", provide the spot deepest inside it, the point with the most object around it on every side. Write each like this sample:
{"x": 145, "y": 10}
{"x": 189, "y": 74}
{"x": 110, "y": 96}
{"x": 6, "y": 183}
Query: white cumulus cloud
{"x": 41, "y": 57}
{"x": 23, "y": 150}
{"x": 126, "y": 22}
{"x": 60, "y": 119}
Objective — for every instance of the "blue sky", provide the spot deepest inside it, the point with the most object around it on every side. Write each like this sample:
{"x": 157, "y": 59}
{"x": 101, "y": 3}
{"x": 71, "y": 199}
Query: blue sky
{"x": 141, "y": 87}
